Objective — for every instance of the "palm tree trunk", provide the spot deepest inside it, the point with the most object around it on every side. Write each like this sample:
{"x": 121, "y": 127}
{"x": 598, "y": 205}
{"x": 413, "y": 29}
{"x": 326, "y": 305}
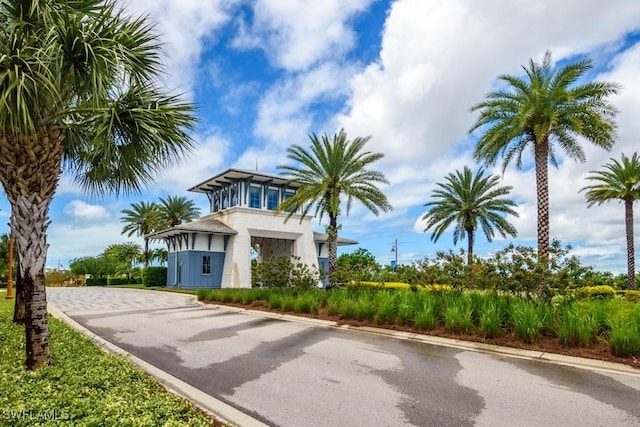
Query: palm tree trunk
{"x": 631, "y": 265}
{"x": 470, "y": 246}
{"x": 19, "y": 310}
{"x": 146, "y": 252}
{"x": 332, "y": 240}
{"x": 542, "y": 189}
{"x": 30, "y": 167}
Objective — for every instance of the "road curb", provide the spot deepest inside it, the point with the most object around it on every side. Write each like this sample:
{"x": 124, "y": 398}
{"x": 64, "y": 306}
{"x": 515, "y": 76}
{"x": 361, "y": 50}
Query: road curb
{"x": 207, "y": 403}
{"x": 552, "y": 358}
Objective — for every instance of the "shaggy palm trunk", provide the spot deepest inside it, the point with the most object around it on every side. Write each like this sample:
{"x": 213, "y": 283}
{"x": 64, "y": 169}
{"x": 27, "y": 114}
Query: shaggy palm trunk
{"x": 631, "y": 264}
{"x": 470, "y": 246}
{"x": 332, "y": 240}
{"x": 146, "y": 252}
{"x": 30, "y": 169}
{"x": 542, "y": 189}
{"x": 19, "y": 309}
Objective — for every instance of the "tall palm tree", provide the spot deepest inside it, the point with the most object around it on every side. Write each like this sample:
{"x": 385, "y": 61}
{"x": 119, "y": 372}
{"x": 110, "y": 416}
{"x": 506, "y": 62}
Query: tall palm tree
{"x": 78, "y": 93}
{"x": 470, "y": 202}
{"x": 142, "y": 219}
{"x": 175, "y": 210}
{"x": 619, "y": 181}
{"x": 547, "y": 112}
{"x": 332, "y": 169}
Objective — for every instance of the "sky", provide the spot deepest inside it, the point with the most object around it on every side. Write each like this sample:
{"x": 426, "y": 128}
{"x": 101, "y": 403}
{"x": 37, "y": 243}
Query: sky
{"x": 265, "y": 74}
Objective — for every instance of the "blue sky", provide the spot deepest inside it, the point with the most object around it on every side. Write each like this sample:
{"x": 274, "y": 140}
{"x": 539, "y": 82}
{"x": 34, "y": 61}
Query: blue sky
{"x": 265, "y": 74}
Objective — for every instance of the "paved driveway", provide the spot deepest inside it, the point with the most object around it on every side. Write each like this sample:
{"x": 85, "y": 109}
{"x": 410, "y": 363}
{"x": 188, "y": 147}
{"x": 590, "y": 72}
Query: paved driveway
{"x": 298, "y": 374}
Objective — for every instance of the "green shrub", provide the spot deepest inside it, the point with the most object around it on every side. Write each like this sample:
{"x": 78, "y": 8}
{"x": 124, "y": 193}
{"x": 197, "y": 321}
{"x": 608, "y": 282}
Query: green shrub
{"x": 96, "y": 281}
{"x": 576, "y": 328}
{"x": 348, "y": 309}
{"x": 275, "y": 301}
{"x": 116, "y": 281}
{"x": 527, "y": 320}
{"x": 624, "y": 338}
{"x": 284, "y": 272}
{"x": 596, "y": 292}
{"x": 386, "y": 307}
{"x": 154, "y": 276}
{"x": 632, "y": 296}
{"x": 490, "y": 320}
{"x": 288, "y": 302}
{"x": 427, "y": 311}
{"x": 457, "y": 317}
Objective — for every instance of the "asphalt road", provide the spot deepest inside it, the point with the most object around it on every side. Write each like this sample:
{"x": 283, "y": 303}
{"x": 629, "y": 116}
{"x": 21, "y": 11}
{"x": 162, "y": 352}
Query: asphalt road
{"x": 299, "y": 374}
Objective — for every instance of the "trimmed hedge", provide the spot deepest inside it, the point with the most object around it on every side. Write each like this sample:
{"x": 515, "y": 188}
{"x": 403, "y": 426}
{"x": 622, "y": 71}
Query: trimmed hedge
{"x": 96, "y": 281}
{"x": 154, "y": 276}
{"x": 111, "y": 281}
{"x": 596, "y": 292}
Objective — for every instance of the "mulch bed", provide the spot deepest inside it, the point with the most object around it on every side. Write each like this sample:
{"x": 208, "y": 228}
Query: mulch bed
{"x": 598, "y": 350}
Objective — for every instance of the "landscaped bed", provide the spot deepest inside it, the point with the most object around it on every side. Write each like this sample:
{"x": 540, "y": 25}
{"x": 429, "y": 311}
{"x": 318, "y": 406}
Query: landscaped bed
{"x": 84, "y": 385}
{"x": 600, "y": 329}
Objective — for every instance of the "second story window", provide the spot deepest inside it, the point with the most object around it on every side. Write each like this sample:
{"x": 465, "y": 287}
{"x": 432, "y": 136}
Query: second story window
{"x": 254, "y": 197}
{"x": 272, "y": 199}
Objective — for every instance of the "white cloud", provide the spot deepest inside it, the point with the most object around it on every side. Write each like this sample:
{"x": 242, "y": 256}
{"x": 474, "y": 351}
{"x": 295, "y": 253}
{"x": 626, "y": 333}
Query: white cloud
{"x": 295, "y": 35}
{"x": 83, "y": 211}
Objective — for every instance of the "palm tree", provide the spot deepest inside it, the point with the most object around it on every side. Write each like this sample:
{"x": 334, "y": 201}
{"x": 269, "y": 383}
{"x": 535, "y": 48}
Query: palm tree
{"x": 332, "y": 169}
{"x": 125, "y": 253}
{"x": 470, "y": 202}
{"x": 78, "y": 89}
{"x": 546, "y": 112}
{"x": 619, "y": 181}
{"x": 175, "y": 210}
{"x": 142, "y": 219}
{"x": 160, "y": 254}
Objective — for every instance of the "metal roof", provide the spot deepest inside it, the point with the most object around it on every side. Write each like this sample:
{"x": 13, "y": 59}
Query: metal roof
{"x": 233, "y": 175}
{"x": 203, "y": 225}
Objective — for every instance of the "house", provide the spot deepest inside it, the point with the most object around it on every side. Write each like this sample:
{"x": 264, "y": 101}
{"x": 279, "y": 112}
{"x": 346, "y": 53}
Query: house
{"x": 216, "y": 250}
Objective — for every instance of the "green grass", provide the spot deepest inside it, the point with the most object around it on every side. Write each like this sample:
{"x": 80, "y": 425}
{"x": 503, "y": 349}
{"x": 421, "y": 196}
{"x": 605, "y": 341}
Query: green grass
{"x": 82, "y": 386}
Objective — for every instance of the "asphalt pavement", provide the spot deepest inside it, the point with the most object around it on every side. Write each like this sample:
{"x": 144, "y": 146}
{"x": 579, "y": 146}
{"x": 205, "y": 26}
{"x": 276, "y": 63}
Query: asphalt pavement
{"x": 255, "y": 368}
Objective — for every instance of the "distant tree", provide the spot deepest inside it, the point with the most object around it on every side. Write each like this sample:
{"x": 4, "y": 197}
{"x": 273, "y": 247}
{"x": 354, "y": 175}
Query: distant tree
{"x": 470, "y": 202}
{"x": 620, "y": 180}
{"x": 127, "y": 253}
{"x": 4, "y": 254}
{"x": 161, "y": 255}
{"x": 78, "y": 84}
{"x": 546, "y": 111}
{"x": 175, "y": 210}
{"x": 143, "y": 218}
{"x": 358, "y": 265}
{"x": 332, "y": 169}
{"x": 98, "y": 266}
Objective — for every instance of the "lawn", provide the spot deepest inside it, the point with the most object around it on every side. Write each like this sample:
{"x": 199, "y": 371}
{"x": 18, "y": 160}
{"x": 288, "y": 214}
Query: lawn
{"x": 84, "y": 385}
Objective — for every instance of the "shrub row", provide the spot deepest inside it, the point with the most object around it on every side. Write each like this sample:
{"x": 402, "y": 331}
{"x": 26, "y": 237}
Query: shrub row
{"x": 488, "y": 314}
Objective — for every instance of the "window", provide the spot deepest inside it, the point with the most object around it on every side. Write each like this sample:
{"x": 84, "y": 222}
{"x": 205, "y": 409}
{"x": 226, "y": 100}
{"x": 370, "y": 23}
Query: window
{"x": 206, "y": 264}
{"x": 254, "y": 197}
{"x": 234, "y": 196}
{"x": 216, "y": 202}
{"x": 272, "y": 199}
{"x": 287, "y": 195}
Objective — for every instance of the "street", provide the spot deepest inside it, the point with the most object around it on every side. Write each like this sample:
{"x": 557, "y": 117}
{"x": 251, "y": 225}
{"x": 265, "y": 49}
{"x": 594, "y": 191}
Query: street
{"x": 297, "y": 373}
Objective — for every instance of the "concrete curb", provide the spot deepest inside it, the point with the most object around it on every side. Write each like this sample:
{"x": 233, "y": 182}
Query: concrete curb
{"x": 553, "y": 358}
{"x": 210, "y": 405}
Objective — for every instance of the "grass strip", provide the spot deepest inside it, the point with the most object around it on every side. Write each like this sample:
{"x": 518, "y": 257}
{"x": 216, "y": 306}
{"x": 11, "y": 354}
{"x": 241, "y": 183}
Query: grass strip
{"x": 83, "y": 385}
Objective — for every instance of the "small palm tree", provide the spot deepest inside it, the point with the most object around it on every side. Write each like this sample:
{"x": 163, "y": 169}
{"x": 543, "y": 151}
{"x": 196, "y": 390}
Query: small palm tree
{"x": 619, "y": 181}
{"x": 175, "y": 210}
{"x": 79, "y": 93}
{"x": 470, "y": 202}
{"x": 143, "y": 218}
{"x": 125, "y": 253}
{"x": 546, "y": 112}
{"x": 333, "y": 169}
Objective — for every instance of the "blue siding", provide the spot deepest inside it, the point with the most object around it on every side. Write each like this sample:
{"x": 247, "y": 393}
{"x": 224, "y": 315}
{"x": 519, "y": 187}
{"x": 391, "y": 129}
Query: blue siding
{"x": 185, "y": 270}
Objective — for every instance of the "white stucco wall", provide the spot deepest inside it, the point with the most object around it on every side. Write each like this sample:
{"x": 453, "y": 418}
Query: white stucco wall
{"x": 250, "y": 222}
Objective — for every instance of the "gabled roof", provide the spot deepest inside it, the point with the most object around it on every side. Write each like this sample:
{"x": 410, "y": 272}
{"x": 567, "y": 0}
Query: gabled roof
{"x": 233, "y": 175}
{"x": 322, "y": 238}
{"x": 205, "y": 225}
